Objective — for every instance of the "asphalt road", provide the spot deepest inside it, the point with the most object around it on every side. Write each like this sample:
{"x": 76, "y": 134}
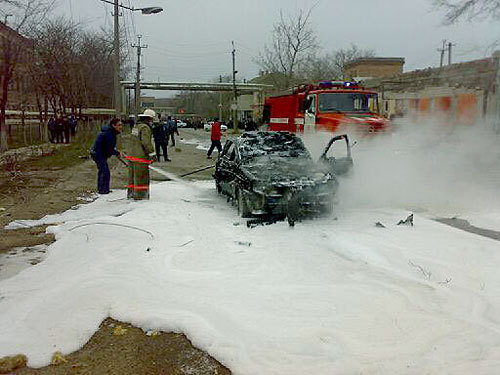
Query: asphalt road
{"x": 466, "y": 226}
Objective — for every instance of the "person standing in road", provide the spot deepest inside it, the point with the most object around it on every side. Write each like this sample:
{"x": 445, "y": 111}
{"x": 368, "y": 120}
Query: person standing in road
{"x": 160, "y": 136}
{"x": 59, "y": 128}
{"x": 72, "y": 124}
{"x": 51, "y": 125}
{"x": 139, "y": 149}
{"x": 215, "y": 137}
{"x": 172, "y": 128}
{"x": 66, "y": 129}
{"x": 104, "y": 147}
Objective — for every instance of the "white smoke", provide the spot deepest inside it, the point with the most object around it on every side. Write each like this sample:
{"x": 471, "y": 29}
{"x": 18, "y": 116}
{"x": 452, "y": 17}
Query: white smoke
{"x": 423, "y": 165}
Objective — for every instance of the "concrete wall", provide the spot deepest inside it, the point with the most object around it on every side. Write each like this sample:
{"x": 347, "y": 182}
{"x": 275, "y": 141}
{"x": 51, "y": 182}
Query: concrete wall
{"x": 462, "y": 93}
{"x": 368, "y": 68}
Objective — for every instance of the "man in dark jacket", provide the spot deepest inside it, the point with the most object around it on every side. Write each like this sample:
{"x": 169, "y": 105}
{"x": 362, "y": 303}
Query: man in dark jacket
{"x": 66, "y": 128}
{"x": 172, "y": 128}
{"x": 160, "y": 136}
{"x": 73, "y": 124}
{"x": 59, "y": 128}
{"x": 105, "y": 147}
{"x": 51, "y": 125}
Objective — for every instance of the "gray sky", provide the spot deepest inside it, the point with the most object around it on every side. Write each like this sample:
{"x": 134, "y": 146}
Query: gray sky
{"x": 191, "y": 39}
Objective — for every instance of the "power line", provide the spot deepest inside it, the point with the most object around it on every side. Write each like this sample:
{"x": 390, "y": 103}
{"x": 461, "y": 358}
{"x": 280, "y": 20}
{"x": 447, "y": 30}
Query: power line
{"x": 131, "y": 15}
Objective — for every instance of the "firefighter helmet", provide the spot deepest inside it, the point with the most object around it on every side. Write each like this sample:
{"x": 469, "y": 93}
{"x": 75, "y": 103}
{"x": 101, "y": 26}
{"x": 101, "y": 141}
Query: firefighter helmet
{"x": 149, "y": 113}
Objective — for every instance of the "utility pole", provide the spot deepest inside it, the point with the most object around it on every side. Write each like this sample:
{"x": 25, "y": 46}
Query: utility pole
{"x": 220, "y": 100}
{"x": 235, "y": 103}
{"x": 138, "y": 76}
{"x": 449, "y": 52}
{"x": 116, "y": 61}
{"x": 442, "y": 50}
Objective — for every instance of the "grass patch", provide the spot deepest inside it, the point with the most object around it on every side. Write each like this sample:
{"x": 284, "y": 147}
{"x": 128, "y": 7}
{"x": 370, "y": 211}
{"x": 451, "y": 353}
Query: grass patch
{"x": 70, "y": 155}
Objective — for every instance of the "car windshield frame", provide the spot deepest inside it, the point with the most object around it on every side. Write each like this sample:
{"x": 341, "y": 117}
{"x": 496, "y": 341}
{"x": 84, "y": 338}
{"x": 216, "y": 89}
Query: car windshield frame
{"x": 346, "y": 102}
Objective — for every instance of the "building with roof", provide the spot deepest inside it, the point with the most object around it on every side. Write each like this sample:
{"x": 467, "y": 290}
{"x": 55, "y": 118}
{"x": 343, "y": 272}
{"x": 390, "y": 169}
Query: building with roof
{"x": 373, "y": 67}
{"x": 14, "y": 52}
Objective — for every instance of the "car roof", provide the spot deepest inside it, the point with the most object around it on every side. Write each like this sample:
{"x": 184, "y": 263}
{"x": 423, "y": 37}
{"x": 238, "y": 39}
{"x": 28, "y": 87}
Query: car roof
{"x": 260, "y": 143}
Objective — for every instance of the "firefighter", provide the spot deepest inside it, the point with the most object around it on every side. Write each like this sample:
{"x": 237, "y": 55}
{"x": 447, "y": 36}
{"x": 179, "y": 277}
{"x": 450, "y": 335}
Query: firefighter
{"x": 139, "y": 147}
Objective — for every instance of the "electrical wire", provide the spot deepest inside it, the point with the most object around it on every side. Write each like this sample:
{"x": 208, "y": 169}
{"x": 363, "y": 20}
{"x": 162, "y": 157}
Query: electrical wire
{"x": 131, "y": 16}
{"x": 71, "y": 9}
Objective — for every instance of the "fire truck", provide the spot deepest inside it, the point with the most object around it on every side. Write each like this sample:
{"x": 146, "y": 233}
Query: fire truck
{"x": 331, "y": 106}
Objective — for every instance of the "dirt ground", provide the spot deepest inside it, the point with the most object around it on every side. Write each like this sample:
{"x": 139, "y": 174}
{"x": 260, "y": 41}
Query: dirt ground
{"x": 31, "y": 190}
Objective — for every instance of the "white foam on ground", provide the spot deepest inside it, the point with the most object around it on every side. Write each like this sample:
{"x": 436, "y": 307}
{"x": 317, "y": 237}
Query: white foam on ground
{"x": 20, "y": 258}
{"x": 328, "y": 296}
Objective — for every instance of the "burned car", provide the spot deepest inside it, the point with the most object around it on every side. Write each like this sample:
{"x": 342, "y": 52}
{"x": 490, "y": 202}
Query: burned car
{"x": 273, "y": 174}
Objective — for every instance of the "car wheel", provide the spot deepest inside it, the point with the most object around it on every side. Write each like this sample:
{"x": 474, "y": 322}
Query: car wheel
{"x": 327, "y": 209}
{"x": 292, "y": 209}
{"x": 241, "y": 202}
{"x": 218, "y": 186}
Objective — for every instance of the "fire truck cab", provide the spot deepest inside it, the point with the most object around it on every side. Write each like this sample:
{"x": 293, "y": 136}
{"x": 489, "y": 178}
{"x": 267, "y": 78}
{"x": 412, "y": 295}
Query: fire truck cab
{"x": 332, "y": 106}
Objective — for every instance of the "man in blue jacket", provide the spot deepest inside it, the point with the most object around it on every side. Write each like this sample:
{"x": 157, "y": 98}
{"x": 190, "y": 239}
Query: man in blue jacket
{"x": 105, "y": 147}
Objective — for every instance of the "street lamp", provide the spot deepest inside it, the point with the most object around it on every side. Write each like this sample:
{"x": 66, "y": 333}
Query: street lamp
{"x": 147, "y": 10}
{"x": 150, "y": 10}
{"x": 116, "y": 47}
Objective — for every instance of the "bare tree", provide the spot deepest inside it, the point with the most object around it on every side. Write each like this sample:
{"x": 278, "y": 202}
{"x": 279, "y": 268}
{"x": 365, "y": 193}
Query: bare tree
{"x": 332, "y": 65}
{"x": 470, "y": 9}
{"x": 15, "y": 47}
{"x": 344, "y": 56}
{"x": 321, "y": 67}
{"x": 293, "y": 42}
{"x": 72, "y": 68}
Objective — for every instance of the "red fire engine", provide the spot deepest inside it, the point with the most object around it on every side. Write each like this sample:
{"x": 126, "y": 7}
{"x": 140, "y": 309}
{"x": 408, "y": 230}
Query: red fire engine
{"x": 325, "y": 106}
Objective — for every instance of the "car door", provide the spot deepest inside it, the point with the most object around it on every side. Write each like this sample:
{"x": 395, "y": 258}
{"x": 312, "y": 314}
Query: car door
{"x": 310, "y": 115}
{"x": 335, "y": 159}
{"x": 225, "y": 168}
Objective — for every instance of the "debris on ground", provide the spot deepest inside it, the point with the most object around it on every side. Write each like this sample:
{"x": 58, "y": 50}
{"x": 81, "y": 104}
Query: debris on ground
{"x": 268, "y": 220}
{"x": 119, "y": 331}
{"x": 243, "y": 243}
{"x": 9, "y": 364}
{"x": 378, "y": 224}
{"x": 153, "y": 333}
{"x": 57, "y": 359}
{"x": 407, "y": 221}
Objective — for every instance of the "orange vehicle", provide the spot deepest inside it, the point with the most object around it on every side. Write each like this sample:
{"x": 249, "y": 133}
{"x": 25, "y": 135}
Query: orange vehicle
{"x": 331, "y": 106}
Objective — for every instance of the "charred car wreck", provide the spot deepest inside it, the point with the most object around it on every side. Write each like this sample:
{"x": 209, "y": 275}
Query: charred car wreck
{"x": 271, "y": 175}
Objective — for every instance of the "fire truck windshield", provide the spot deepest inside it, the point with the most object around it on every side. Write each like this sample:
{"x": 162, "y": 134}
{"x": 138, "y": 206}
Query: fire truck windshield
{"x": 347, "y": 102}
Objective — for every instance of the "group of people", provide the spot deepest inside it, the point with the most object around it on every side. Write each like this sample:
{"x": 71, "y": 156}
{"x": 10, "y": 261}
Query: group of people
{"x": 62, "y": 128}
{"x": 140, "y": 151}
{"x": 163, "y": 131}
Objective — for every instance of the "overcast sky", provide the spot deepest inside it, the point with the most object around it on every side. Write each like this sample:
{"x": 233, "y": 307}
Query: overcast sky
{"x": 191, "y": 39}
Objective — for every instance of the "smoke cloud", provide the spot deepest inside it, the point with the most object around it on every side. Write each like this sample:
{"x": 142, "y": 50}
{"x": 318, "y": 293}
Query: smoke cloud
{"x": 423, "y": 165}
